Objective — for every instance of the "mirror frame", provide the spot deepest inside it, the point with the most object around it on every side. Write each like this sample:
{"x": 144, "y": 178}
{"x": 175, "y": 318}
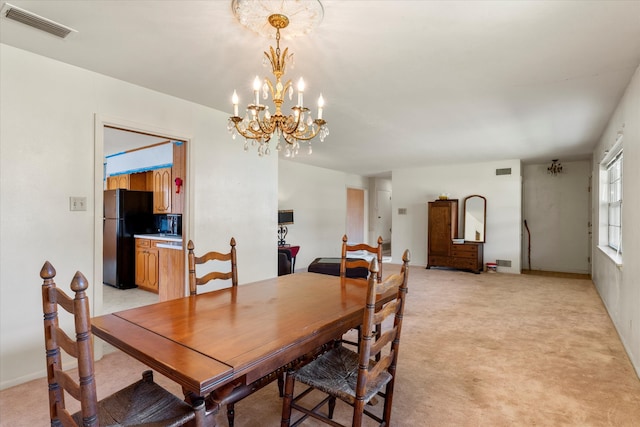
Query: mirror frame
{"x": 464, "y": 217}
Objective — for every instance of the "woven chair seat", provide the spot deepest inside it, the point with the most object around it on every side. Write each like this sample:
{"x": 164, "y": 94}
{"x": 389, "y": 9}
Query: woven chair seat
{"x": 336, "y": 372}
{"x": 143, "y": 403}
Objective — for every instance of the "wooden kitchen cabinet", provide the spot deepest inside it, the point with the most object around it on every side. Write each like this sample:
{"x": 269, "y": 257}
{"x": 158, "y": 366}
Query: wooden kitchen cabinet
{"x": 162, "y": 191}
{"x": 118, "y": 181}
{"x": 442, "y": 229}
{"x": 147, "y": 265}
{"x": 160, "y": 269}
{"x": 138, "y": 181}
{"x": 171, "y": 271}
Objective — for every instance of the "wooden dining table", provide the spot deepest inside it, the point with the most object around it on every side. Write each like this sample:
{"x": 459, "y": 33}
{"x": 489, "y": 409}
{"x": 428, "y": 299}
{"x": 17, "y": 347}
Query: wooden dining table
{"x": 237, "y": 334}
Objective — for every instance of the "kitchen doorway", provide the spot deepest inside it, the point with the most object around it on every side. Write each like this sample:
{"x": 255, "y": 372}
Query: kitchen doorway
{"x": 117, "y": 136}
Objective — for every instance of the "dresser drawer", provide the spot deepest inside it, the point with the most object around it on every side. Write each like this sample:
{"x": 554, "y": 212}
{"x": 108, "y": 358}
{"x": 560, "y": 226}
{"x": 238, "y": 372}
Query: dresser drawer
{"x": 464, "y": 250}
{"x": 464, "y": 263}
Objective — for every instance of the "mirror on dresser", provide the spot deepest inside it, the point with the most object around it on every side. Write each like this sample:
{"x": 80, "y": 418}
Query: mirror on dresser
{"x": 475, "y": 215}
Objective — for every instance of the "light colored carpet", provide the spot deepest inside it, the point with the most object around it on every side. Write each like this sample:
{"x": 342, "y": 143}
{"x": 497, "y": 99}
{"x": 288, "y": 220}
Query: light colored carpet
{"x": 477, "y": 350}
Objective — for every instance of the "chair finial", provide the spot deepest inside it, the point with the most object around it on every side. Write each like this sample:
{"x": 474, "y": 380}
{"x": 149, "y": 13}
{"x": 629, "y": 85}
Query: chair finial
{"x": 233, "y": 242}
{"x": 344, "y": 238}
{"x": 47, "y": 271}
{"x": 373, "y": 266}
{"x": 79, "y": 282}
{"x": 190, "y": 245}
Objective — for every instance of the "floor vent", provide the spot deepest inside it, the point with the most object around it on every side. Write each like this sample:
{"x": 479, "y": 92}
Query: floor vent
{"x": 14, "y": 13}
{"x": 503, "y": 263}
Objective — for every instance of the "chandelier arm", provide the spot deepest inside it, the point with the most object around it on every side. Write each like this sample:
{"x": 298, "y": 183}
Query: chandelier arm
{"x": 267, "y": 130}
{"x": 249, "y": 133}
{"x": 294, "y": 119}
{"x": 289, "y": 139}
{"x": 312, "y": 134}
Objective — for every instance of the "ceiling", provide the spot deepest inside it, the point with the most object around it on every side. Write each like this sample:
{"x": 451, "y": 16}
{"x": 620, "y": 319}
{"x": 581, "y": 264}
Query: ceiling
{"x": 406, "y": 83}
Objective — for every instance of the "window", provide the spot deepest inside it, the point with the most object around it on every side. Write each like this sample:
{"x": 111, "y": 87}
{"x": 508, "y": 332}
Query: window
{"x": 614, "y": 203}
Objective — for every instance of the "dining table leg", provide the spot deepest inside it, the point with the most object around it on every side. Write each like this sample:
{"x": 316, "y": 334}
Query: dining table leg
{"x": 211, "y": 408}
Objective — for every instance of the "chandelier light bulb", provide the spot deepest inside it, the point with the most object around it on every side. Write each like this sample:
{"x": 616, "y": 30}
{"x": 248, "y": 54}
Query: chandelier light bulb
{"x": 300, "y": 91}
{"x": 256, "y": 89}
{"x": 320, "y": 106}
{"x": 234, "y": 101}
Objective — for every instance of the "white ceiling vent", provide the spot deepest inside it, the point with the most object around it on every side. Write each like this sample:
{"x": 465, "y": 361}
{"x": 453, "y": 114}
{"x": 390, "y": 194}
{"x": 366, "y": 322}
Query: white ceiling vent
{"x": 10, "y": 11}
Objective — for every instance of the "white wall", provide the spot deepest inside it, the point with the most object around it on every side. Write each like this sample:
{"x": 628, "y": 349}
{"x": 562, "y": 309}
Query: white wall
{"x": 413, "y": 188}
{"x": 318, "y": 197}
{"x": 557, "y": 212}
{"x": 619, "y": 288}
{"x": 47, "y": 113}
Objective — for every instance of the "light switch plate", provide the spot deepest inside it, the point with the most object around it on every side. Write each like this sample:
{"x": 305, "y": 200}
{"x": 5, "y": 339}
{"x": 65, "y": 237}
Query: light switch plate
{"x": 77, "y": 203}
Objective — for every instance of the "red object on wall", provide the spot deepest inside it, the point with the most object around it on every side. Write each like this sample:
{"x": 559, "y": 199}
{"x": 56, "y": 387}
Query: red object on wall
{"x": 178, "y": 185}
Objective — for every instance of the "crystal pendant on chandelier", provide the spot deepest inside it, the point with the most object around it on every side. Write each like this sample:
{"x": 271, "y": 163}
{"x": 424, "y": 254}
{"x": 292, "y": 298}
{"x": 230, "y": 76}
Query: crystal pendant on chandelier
{"x": 258, "y": 123}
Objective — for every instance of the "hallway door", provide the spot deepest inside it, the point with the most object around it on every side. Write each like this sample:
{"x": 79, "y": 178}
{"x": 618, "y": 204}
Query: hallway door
{"x": 355, "y": 215}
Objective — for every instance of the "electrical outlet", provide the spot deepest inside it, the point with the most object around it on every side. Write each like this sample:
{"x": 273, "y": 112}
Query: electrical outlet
{"x": 77, "y": 203}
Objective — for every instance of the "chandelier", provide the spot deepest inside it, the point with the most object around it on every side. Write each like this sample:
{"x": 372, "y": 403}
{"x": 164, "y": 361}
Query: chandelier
{"x": 259, "y": 124}
{"x": 555, "y": 168}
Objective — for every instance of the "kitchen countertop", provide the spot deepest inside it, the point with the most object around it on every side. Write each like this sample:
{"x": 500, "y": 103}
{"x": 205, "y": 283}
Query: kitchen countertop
{"x": 160, "y": 236}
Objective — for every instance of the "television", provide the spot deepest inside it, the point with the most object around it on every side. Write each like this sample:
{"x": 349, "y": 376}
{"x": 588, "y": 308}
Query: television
{"x": 285, "y": 217}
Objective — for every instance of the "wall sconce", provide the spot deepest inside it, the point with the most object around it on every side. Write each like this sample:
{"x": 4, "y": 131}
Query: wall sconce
{"x": 284, "y": 217}
{"x": 555, "y": 168}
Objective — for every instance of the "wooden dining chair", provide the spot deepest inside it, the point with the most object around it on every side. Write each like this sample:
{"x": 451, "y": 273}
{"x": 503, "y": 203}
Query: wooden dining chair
{"x": 356, "y": 377}
{"x": 348, "y": 263}
{"x": 235, "y": 391}
{"x": 194, "y": 260}
{"x": 352, "y": 264}
{"x": 141, "y": 403}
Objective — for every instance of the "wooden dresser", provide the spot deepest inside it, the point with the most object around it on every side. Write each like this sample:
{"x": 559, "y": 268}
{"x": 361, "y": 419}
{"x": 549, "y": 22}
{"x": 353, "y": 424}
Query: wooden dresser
{"x": 442, "y": 229}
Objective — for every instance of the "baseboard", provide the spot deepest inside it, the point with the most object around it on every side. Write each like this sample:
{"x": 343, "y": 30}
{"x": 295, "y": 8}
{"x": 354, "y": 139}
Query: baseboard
{"x": 560, "y": 274}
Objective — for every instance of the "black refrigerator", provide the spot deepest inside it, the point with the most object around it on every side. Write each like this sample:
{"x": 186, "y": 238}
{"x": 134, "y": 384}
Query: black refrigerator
{"x": 125, "y": 213}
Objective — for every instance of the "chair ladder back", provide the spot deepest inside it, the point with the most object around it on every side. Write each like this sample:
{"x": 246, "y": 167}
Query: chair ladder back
{"x": 385, "y": 339}
{"x": 67, "y": 344}
{"x": 84, "y": 389}
{"x": 346, "y": 263}
{"x": 373, "y": 343}
{"x": 367, "y": 339}
{"x": 214, "y": 275}
{"x": 381, "y": 365}
{"x": 386, "y": 311}
{"x": 194, "y": 260}
{"x": 395, "y": 344}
